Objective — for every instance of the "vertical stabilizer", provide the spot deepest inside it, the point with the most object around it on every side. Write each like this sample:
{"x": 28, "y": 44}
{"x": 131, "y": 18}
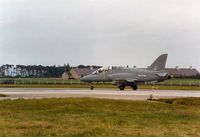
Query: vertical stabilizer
{"x": 159, "y": 63}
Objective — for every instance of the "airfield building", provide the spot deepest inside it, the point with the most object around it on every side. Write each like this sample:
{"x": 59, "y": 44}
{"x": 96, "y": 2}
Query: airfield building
{"x": 77, "y": 73}
{"x": 182, "y": 72}
{"x": 66, "y": 75}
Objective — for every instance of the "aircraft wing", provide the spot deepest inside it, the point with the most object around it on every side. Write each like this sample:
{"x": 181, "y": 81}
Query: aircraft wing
{"x": 124, "y": 81}
{"x": 131, "y": 80}
{"x": 122, "y": 78}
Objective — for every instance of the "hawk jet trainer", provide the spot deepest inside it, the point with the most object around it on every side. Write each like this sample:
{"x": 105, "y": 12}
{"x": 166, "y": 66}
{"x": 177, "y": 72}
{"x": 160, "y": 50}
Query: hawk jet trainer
{"x": 130, "y": 76}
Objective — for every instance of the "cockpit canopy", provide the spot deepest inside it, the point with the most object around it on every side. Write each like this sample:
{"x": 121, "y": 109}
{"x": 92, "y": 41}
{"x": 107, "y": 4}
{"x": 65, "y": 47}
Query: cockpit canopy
{"x": 100, "y": 70}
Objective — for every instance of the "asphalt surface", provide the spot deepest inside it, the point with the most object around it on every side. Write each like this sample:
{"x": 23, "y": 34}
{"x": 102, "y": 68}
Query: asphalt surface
{"x": 16, "y": 93}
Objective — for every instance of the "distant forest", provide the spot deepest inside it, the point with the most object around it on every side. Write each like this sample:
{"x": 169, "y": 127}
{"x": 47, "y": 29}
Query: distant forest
{"x": 38, "y": 71}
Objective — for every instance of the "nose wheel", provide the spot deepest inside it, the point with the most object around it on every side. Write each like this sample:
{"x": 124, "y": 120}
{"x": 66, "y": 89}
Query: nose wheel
{"x": 91, "y": 86}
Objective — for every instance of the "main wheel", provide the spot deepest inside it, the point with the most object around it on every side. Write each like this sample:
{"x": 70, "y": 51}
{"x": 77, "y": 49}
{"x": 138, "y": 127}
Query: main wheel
{"x": 134, "y": 87}
{"x": 121, "y": 87}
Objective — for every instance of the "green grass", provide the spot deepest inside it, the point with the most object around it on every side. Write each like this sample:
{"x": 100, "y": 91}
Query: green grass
{"x": 174, "y": 81}
{"x": 172, "y": 84}
{"x": 183, "y": 80}
{"x": 41, "y": 80}
{"x": 86, "y": 117}
{"x": 53, "y": 86}
{"x": 182, "y": 101}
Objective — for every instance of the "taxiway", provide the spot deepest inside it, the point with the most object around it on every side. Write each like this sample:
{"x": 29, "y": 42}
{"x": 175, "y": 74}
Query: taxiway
{"x": 31, "y": 93}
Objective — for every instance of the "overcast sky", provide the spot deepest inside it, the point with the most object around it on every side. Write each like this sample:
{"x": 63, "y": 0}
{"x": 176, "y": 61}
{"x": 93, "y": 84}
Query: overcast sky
{"x": 101, "y": 32}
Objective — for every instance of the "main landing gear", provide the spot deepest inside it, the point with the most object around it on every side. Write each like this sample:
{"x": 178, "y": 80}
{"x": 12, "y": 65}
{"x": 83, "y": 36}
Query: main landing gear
{"x": 134, "y": 87}
{"x": 122, "y": 87}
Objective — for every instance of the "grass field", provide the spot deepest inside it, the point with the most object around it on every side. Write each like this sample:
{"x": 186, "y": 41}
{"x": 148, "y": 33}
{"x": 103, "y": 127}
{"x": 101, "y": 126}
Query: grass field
{"x": 88, "y": 117}
{"x": 173, "y": 84}
{"x": 174, "y": 81}
{"x": 85, "y": 86}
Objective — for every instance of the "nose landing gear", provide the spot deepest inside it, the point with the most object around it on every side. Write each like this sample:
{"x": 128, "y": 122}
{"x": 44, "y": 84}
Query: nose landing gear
{"x": 91, "y": 86}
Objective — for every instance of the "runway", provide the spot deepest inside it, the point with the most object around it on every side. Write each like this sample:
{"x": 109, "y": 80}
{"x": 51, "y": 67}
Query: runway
{"x": 32, "y": 93}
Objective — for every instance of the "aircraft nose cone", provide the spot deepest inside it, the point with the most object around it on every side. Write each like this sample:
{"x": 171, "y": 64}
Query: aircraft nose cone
{"x": 85, "y": 78}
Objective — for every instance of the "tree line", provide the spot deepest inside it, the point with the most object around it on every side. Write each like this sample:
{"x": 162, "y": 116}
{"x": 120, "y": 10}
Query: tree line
{"x": 33, "y": 70}
{"x": 37, "y": 71}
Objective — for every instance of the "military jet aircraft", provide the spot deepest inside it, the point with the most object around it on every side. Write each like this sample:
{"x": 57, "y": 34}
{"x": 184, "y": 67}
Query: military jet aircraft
{"x": 130, "y": 76}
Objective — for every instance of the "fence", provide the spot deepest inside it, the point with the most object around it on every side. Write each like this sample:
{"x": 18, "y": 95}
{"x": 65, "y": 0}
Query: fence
{"x": 78, "y": 82}
{"x": 175, "y": 84}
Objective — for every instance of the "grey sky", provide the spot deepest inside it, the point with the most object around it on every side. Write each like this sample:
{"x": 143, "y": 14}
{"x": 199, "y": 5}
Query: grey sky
{"x": 102, "y": 32}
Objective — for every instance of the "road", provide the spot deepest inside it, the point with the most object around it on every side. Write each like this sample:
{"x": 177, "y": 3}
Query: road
{"x": 16, "y": 93}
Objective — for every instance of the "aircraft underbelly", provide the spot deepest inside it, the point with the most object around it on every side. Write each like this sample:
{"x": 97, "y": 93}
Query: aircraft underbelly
{"x": 122, "y": 76}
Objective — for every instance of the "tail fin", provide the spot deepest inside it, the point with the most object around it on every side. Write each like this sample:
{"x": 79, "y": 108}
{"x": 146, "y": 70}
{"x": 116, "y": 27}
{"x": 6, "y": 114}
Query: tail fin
{"x": 159, "y": 63}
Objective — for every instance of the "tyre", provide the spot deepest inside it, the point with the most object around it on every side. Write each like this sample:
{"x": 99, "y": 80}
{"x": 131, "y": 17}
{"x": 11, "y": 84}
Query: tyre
{"x": 134, "y": 87}
{"x": 121, "y": 87}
